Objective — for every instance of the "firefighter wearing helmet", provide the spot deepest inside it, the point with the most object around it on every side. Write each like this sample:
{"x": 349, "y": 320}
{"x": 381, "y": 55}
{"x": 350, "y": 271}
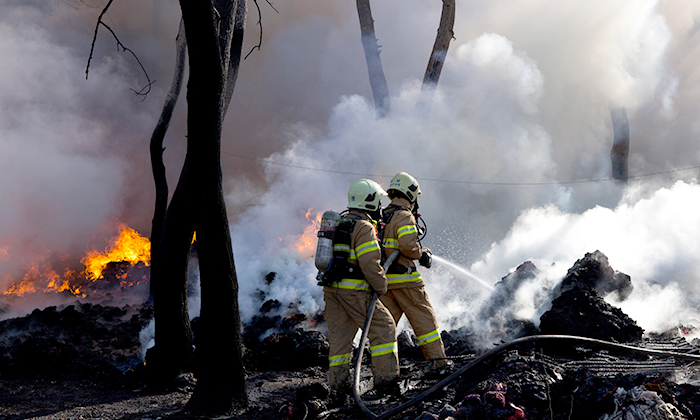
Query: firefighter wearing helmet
{"x": 406, "y": 294}
{"x": 347, "y": 300}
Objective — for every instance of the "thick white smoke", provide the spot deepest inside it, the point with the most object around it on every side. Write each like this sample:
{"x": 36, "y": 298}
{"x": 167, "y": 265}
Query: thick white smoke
{"x": 518, "y": 114}
{"x": 648, "y": 235}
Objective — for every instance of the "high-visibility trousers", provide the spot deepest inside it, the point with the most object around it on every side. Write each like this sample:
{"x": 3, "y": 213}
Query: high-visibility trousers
{"x": 413, "y": 301}
{"x": 346, "y": 311}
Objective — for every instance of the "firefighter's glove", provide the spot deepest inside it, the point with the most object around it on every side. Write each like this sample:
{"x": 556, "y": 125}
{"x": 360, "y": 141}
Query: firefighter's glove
{"x": 426, "y": 260}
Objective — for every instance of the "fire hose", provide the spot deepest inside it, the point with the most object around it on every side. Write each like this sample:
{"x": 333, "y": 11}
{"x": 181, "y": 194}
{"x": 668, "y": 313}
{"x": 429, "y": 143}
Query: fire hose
{"x": 454, "y": 376}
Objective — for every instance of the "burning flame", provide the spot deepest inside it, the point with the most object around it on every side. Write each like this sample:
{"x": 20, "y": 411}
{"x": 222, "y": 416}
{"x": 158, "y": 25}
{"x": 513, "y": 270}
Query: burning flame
{"x": 40, "y": 276}
{"x": 55, "y": 283}
{"x": 307, "y": 242}
{"x": 130, "y": 247}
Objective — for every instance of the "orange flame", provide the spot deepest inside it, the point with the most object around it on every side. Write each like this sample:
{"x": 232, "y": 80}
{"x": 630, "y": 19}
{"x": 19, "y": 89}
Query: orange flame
{"x": 41, "y": 276}
{"x": 53, "y": 281}
{"x": 307, "y": 242}
{"x": 19, "y": 289}
{"x": 130, "y": 247}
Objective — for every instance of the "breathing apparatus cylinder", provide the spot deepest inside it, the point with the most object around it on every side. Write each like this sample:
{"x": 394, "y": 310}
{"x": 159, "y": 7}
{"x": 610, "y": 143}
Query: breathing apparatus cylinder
{"x": 326, "y": 234}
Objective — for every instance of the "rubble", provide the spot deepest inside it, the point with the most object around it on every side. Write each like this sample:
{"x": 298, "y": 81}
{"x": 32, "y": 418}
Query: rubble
{"x": 80, "y": 340}
{"x": 593, "y": 271}
{"x": 274, "y": 341}
{"x": 579, "y": 309}
{"x": 582, "y": 312}
{"x": 286, "y": 360}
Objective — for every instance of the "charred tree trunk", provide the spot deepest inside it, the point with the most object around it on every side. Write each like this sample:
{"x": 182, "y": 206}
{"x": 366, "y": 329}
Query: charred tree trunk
{"x": 445, "y": 33}
{"x": 214, "y": 33}
{"x": 220, "y": 379}
{"x": 377, "y": 80}
{"x": 157, "y": 149}
{"x": 170, "y": 241}
{"x": 619, "y": 154}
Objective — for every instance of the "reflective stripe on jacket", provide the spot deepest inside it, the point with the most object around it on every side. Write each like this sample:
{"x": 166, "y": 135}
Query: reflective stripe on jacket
{"x": 365, "y": 252}
{"x": 403, "y": 278}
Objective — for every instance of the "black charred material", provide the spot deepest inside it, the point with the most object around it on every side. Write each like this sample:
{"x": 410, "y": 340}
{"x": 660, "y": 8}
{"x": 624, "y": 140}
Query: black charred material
{"x": 409, "y": 347}
{"x": 580, "y": 311}
{"x": 512, "y": 382}
{"x": 277, "y": 341}
{"x": 593, "y": 271}
{"x": 457, "y": 342}
{"x": 498, "y": 314}
{"x": 505, "y": 289}
{"x": 77, "y": 341}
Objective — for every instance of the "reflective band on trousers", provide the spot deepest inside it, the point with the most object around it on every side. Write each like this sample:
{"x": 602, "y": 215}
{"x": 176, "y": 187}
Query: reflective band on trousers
{"x": 382, "y": 349}
{"x": 341, "y": 359}
{"x": 353, "y": 284}
{"x": 428, "y": 338}
{"x": 406, "y": 230}
{"x": 403, "y": 278}
{"x": 390, "y": 243}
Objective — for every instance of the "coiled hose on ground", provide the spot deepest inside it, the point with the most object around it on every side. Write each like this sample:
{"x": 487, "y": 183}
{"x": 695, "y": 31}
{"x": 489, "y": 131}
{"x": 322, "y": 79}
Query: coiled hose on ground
{"x": 453, "y": 377}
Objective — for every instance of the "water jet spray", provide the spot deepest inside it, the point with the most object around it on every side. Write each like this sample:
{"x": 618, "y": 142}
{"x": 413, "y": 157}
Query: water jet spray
{"x": 463, "y": 271}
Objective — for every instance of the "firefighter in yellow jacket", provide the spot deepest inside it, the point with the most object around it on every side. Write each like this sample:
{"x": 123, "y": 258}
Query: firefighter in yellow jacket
{"x": 347, "y": 300}
{"x": 406, "y": 294}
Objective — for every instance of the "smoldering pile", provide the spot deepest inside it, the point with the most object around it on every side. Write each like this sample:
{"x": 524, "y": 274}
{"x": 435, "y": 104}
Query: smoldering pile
{"x": 534, "y": 380}
{"x": 553, "y": 379}
{"x": 78, "y": 340}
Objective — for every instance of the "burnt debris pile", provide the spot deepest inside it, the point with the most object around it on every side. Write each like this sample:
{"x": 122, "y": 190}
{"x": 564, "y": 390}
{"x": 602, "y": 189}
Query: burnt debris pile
{"x": 579, "y": 309}
{"x": 532, "y": 380}
{"x": 522, "y": 384}
{"x": 77, "y": 340}
{"x": 282, "y": 338}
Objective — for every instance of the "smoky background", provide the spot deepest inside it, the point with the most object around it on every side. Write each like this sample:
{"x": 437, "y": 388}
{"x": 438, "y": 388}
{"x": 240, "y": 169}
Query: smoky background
{"x": 510, "y": 156}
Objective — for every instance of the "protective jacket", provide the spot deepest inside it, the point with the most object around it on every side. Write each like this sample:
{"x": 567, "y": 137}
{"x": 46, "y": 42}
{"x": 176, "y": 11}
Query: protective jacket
{"x": 401, "y": 233}
{"x": 406, "y": 294}
{"x": 347, "y": 302}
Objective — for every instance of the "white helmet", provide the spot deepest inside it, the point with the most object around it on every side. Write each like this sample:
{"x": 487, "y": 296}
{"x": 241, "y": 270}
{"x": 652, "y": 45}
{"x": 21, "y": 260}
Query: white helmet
{"x": 406, "y": 184}
{"x": 365, "y": 194}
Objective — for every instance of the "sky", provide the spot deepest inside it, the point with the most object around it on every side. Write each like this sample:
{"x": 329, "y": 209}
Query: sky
{"x": 513, "y": 157}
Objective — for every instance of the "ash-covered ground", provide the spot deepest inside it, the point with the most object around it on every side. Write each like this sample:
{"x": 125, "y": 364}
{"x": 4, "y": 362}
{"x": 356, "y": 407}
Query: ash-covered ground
{"x": 84, "y": 361}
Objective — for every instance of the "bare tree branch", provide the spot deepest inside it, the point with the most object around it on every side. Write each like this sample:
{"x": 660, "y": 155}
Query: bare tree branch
{"x": 94, "y": 36}
{"x": 261, "y": 31}
{"x": 273, "y": 7}
{"x": 144, "y": 90}
{"x": 257, "y": 47}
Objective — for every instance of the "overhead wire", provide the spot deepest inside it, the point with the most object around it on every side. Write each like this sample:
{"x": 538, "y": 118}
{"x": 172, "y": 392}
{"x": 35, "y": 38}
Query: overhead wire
{"x": 450, "y": 181}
